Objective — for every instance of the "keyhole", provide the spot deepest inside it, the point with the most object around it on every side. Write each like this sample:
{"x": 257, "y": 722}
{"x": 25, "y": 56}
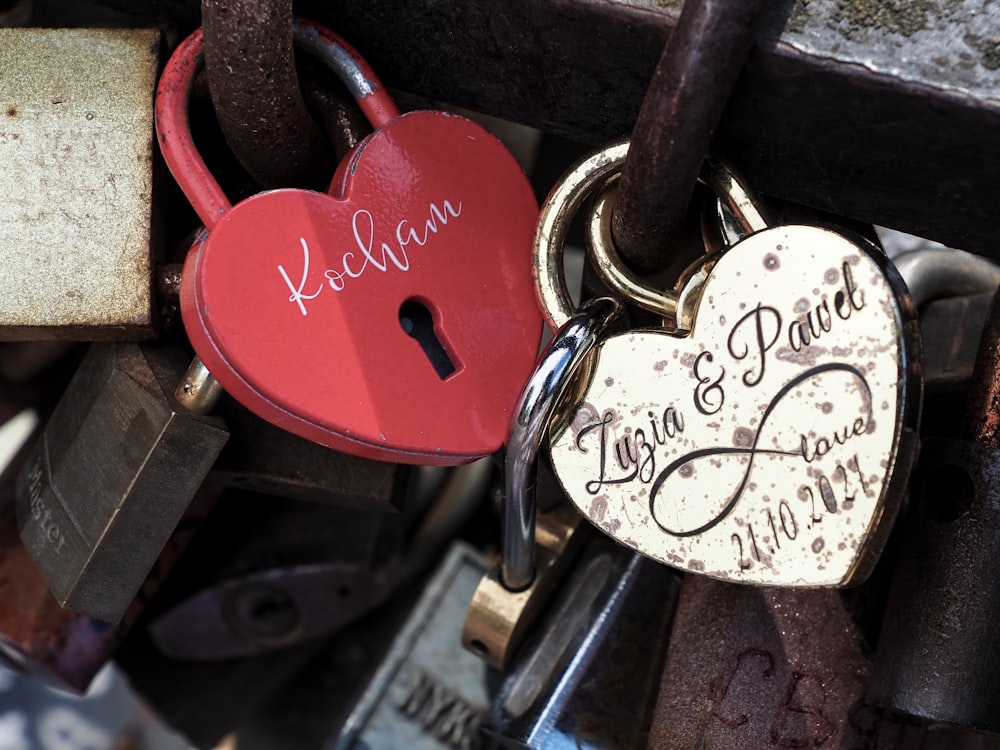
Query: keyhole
{"x": 418, "y": 323}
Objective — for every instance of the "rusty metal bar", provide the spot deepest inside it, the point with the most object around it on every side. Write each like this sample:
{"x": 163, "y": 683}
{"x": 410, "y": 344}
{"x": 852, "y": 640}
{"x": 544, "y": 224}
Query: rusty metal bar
{"x": 685, "y": 101}
{"x": 891, "y": 117}
{"x": 251, "y": 73}
{"x": 982, "y": 416}
{"x": 883, "y": 112}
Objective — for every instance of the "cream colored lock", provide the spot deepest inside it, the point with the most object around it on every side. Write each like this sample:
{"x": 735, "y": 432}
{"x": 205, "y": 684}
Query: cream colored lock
{"x": 764, "y": 433}
{"x": 76, "y": 198}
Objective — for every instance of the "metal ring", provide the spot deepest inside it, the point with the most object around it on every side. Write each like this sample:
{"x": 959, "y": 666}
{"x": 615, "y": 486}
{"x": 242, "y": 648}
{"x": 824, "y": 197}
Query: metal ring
{"x": 557, "y": 213}
{"x": 727, "y": 186}
{"x": 609, "y": 265}
{"x": 553, "y": 225}
{"x": 535, "y": 408}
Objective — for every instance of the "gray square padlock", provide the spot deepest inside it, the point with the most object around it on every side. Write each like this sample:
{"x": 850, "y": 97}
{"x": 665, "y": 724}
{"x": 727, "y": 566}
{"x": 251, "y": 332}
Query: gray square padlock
{"x": 111, "y": 475}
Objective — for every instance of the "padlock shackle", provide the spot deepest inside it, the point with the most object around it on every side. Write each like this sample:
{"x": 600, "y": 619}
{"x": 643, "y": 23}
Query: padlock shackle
{"x": 350, "y": 67}
{"x": 174, "y": 92}
{"x": 198, "y": 391}
{"x": 532, "y": 417}
{"x": 600, "y": 172}
{"x": 730, "y": 191}
{"x": 174, "y": 133}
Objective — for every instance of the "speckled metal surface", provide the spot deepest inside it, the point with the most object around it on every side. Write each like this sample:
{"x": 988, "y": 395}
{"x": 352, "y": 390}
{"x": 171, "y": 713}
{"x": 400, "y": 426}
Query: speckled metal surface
{"x": 76, "y": 198}
{"x": 770, "y": 444}
{"x": 251, "y": 75}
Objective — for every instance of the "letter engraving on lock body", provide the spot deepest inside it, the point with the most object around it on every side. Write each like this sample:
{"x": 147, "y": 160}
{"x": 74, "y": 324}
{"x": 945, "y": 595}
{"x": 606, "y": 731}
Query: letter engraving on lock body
{"x": 110, "y": 476}
{"x": 427, "y": 694}
{"x": 364, "y": 239}
{"x": 76, "y": 199}
{"x": 760, "y": 447}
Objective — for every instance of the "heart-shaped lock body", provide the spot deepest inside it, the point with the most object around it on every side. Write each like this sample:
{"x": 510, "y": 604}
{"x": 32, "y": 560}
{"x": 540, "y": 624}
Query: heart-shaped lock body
{"x": 294, "y": 299}
{"x": 393, "y": 318}
{"x": 769, "y": 442}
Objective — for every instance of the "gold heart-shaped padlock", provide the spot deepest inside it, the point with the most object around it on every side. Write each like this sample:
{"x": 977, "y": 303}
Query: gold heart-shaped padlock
{"x": 764, "y": 433}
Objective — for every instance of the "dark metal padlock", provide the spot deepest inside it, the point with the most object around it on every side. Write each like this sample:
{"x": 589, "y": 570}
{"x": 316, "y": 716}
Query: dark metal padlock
{"x": 39, "y": 638}
{"x": 587, "y": 676}
{"x": 751, "y": 667}
{"x": 938, "y": 654}
{"x": 206, "y": 669}
{"x": 289, "y": 572}
{"x": 260, "y": 457}
{"x": 111, "y": 475}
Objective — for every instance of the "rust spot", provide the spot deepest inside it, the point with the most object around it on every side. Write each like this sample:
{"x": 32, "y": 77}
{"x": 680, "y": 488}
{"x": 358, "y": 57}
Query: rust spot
{"x": 12, "y": 112}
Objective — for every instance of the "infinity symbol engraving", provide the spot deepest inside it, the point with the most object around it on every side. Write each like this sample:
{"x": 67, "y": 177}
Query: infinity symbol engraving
{"x": 749, "y": 454}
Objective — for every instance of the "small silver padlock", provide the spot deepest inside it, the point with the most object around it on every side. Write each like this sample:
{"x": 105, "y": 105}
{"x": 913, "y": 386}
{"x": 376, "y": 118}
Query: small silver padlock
{"x": 764, "y": 433}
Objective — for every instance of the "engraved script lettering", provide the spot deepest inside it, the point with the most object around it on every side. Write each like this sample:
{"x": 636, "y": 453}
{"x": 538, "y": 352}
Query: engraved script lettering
{"x": 824, "y": 444}
{"x": 812, "y": 325}
{"x": 380, "y": 255}
{"x": 709, "y": 395}
{"x": 861, "y": 389}
{"x": 634, "y": 454}
{"x": 766, "y": 325}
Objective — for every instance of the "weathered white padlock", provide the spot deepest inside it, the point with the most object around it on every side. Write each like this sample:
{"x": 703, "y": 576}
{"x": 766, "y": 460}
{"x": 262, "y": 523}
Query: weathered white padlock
{"x": 762, "y": 435}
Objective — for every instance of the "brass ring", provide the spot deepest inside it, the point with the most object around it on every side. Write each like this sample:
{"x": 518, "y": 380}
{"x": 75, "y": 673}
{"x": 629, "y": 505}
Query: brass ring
{"x": 553, "y": 225}
{"x": 720, "y": 179}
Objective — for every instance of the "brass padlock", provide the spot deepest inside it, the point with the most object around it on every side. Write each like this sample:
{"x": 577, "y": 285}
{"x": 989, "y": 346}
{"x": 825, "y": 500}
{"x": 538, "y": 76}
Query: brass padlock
{"x": 763, "y": 432}
{"x": 535, "y": 556}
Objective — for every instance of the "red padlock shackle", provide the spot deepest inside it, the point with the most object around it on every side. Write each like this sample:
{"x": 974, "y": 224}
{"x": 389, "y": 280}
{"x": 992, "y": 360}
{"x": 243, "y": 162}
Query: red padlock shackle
{"x": 174, "y": 91}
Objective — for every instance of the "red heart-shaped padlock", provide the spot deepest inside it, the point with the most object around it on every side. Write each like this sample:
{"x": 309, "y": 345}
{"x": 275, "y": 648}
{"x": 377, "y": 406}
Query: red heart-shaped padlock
{"x": 394, "y": 318}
